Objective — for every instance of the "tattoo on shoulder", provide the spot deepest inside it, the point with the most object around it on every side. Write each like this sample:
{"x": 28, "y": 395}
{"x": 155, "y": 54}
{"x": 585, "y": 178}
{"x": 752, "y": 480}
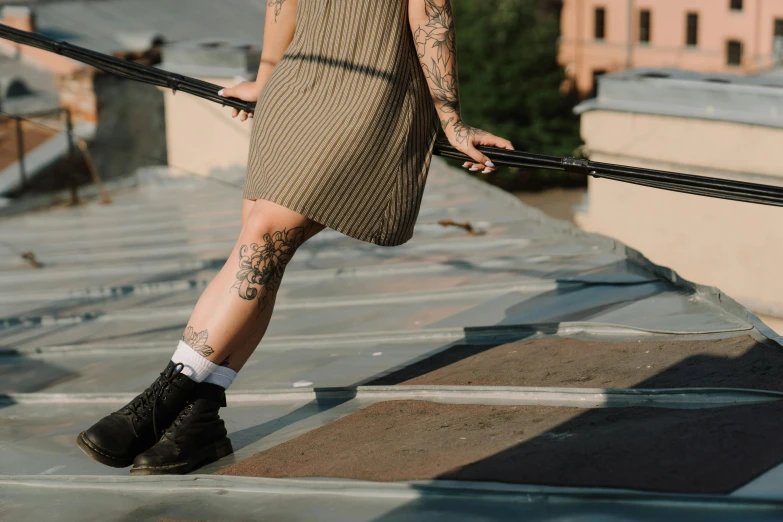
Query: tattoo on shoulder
{"x": 198, "y": 341}
{"x": 277, "y": 5}
{"x": 261, "y": 266}
{"x": 437, "y": 51}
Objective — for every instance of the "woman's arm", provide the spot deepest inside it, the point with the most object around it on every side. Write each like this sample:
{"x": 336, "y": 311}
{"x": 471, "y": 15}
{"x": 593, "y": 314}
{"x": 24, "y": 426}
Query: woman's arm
{"x": 432, "y": 25}
{"x": 278, "y": 33}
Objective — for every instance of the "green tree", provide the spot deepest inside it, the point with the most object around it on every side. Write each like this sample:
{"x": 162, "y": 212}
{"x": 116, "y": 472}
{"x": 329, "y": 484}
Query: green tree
{"x": 510, "y": 81}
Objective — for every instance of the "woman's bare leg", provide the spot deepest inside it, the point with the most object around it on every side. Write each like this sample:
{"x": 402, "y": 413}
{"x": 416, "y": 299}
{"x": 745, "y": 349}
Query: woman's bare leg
{"x": 233, "y": 313}
{"x": 247, "y": 206}
{"x": 229, "y": 320}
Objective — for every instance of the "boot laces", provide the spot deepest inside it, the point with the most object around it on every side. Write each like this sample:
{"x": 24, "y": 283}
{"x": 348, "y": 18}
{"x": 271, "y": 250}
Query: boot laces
{"x": 139, "y": 406}
{"x": 186, "y": 411}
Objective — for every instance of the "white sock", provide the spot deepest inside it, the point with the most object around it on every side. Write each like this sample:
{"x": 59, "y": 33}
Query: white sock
{"x": 222, "y": 376}
{"x": 196, "y": 366}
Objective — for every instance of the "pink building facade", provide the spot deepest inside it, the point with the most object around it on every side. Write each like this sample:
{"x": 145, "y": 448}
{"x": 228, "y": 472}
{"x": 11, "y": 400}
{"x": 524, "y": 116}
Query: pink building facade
{"x": 738, "y": 36}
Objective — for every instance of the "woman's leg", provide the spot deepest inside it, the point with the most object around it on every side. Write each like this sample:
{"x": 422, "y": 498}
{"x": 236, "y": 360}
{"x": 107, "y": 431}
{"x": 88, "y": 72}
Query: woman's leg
{"x": 242, "y": 350}
{"x": 230, "y": 318}
{"x": 247, "y": 206}
{"x": 234, "y": 311}
{"x": 227, "y": 324}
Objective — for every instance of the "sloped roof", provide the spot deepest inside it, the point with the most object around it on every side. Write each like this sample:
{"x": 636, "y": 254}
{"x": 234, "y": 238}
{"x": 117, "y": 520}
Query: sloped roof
{"x": 115, "y": 25}
{"x": 97, "y": 322}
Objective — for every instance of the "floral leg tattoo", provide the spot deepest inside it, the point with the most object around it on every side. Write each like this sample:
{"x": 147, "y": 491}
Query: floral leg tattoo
{"x": 261, "y": 266}
{"x": 277, "y": 5}
{"x": 198, "y": 341}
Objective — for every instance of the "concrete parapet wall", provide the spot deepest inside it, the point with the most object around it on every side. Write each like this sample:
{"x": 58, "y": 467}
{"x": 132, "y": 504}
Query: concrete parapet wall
{"x": 734, "y": 246}
{"x": 202, "y": 136}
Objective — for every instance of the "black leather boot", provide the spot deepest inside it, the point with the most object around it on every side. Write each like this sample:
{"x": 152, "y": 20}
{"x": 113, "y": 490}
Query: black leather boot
{"x": 195, "y": 438}
{"x": 117, "y": 439}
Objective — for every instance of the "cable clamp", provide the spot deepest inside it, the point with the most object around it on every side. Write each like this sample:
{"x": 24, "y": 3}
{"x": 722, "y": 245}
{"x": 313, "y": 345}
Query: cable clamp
{"x": 174, "y": 81}
{"x": 576, "y": 165}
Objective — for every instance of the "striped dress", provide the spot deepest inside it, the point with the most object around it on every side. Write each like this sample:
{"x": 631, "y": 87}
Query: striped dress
{"x": 345, "y": 125}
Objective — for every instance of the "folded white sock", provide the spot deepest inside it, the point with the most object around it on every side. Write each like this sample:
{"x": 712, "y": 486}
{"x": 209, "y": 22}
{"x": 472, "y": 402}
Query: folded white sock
{"x": 196, "y": 366}
{"x": 222, "y": 376}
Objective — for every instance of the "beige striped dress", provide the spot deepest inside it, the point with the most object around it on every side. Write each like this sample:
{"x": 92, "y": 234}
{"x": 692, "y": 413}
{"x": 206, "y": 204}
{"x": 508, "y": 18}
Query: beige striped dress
{"x": 345, "y": 125}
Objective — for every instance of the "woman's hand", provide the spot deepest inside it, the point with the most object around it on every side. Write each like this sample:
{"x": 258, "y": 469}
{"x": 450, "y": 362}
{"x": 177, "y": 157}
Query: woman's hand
{"x": 465, "y": 139}
{"x": 246, "y": 91}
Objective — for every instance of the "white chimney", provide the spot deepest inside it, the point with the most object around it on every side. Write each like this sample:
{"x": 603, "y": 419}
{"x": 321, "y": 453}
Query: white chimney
{"x": 19, "y": 17}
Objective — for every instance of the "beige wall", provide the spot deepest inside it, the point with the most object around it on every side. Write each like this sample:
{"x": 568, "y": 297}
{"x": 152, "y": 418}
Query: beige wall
{"x": 581, "y": 54}
{"x": 201, "y": 136}
{"x": 734, "y": 246}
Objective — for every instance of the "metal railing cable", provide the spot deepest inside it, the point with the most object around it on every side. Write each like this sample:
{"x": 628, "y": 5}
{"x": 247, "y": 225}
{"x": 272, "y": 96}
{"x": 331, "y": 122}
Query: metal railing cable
{"x": 701, "y": 185}
{"x": 686, "y": 183}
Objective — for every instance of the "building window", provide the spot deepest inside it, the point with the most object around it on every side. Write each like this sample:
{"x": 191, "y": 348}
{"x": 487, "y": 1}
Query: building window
{"x": 735, "y": 5}
{"x": 734, "y": 52}
{"x": 692, "y": 30}
{"x": 597, "y": 73}
{"x": 777, "y": 42}
{"x": 644, "y": 26}
{"x": 600, "y": 23}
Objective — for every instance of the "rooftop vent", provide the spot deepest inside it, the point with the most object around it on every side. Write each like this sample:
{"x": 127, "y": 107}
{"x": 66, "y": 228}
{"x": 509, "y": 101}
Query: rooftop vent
{"x": 654, "y": 74}
{"x": 17, "y": 87}
{"x": 222, "y": 44}
{"x": 717, "y": 80}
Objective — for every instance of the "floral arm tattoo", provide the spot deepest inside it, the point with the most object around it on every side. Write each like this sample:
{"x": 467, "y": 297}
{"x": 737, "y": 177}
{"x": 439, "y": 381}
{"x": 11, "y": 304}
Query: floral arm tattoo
{"x": 277, "y": 5}
{"x": 435, "y": 40}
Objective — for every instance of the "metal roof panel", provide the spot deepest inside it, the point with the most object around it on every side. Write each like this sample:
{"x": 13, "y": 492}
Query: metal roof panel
{"x": 118, "y": 282}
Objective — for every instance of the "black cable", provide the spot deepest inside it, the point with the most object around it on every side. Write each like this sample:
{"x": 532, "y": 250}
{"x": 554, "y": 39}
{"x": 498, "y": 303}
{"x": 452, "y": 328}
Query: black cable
{"x": 124, "y": 68}
{"x": 678, "y": 182}
{"x": 686, "y": 183}
{"x": 503, "y": 157}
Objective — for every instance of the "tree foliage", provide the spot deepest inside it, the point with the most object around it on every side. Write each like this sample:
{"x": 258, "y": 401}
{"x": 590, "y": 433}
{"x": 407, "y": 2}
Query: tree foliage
{"x": 509, "y": 76}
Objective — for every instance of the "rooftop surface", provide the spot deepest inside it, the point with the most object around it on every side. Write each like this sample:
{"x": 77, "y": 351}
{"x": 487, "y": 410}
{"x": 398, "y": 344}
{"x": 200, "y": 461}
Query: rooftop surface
{"x": 115, "y": 25}
{"x": 749, "y": 99}
{"x": 530, "y": 371}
